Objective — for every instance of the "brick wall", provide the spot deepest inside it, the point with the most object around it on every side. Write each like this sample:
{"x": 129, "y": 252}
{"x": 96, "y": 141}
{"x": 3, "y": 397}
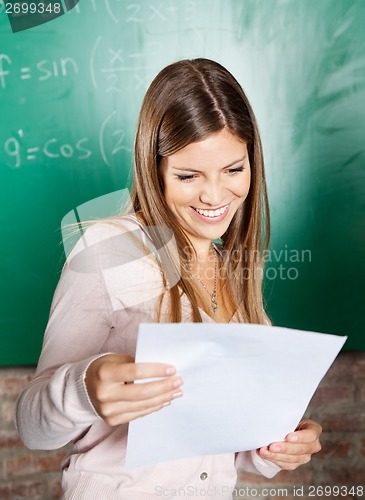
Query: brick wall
{"x": 23, "y": 473}
{"x": 339, "y": 405}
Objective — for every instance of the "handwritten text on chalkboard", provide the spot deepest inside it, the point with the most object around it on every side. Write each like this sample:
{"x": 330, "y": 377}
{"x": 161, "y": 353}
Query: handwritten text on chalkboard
{"x": 18, "y": 153}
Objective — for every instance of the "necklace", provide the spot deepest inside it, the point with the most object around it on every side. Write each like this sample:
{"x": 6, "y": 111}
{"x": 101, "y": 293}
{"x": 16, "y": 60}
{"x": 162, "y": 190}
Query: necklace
{"x": 213, "y": 296}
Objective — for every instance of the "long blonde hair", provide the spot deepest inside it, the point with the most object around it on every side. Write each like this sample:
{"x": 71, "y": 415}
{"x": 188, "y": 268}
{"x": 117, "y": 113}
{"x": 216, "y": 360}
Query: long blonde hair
{"x": 187, "y": 101}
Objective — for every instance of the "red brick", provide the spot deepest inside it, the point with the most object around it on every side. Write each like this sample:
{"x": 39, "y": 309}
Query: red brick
{"x": 32, "y": 463}
{"x": 8, "y": 412}
{"x": 362, "y": 449}
{"x": 361, "y": 384}
{"x": 359, "y": 368}
{"x": 351, "y": 421}
{"x": 334, "y": 447}
{"x": 343, "y": 366}
{"x": 346, "y": 473}
{"x": 289, "y": 497}
{"x": 328, "y": 395}
{"x": 13, "y": 385}
{"x": 55, "y": 489}
{"x": 10, "y": 439}
{"x": 349, "y": 365}
{"x": 33, "y": 490}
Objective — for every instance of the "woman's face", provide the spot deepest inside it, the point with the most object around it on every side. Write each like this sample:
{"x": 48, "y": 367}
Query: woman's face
{"x": 204, "y": 185}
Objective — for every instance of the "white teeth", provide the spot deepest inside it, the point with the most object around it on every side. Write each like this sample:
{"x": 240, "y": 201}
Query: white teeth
{"x": 212, "y": 213}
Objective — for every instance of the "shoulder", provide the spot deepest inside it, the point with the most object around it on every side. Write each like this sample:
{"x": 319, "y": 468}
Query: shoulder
{"x": 108, "y": 228}
{"x": 102, "y": 236}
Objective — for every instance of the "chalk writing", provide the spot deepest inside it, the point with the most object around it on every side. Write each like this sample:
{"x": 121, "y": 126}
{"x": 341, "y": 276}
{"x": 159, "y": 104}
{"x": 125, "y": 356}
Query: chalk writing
{"x": 118, "y": 61}
{"x": 42, "y": 70}
{"x": 139, "y": 12}
{"x": 111, "y": 142}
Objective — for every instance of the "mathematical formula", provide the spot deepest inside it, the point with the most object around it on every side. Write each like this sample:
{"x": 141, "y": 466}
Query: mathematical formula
{"x": 137, "y": 12}
{"x": 116, "y": 62}
{"x": 141, "y": 12}
{"x": 108, "y": 62}
{"x": 111, "y": 141}
{"x": 41, "y": 71}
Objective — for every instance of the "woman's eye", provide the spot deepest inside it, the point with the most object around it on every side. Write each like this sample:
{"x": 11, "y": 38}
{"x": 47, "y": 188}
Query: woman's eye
{"x": 236, "y": 170}
{"x": 185, "y": 177}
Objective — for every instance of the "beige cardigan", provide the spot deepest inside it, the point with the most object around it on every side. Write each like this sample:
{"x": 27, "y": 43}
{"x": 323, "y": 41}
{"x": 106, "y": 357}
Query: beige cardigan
{"x": 107, "y": 288}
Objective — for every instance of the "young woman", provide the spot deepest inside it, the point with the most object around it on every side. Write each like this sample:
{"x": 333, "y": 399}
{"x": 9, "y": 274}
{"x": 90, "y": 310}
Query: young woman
{"x": 199, "y": 173}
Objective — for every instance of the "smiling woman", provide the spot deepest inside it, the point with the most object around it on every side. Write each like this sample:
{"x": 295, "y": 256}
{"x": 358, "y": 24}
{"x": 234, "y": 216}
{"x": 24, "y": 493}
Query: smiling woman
{"x": 204, "y": 201}
{"x": 204, "y": 185}
{"x": 199, "y": 174}
{"x": 196, "y": 117}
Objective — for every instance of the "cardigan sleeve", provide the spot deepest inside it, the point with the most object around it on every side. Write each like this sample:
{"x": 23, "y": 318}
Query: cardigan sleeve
{"x": 55, "y": 408}
{"x": 250, "y": 461}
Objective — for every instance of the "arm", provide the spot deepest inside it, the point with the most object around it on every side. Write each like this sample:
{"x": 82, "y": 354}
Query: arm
{"x": 54, "y": 409}
{"x": 76, "y": 374}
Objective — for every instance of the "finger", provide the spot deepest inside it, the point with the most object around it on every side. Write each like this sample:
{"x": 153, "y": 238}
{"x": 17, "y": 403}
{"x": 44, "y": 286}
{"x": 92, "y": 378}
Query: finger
{"x": 140, "y": 371}
{"x": 115, "y": 371}
{"x": 135, "y": 396}
{"x": 109, "y": 410}
{"x": 286, "y": 466}
{"x": 139, "y": 392}
{"x": 303, "y": 436}
{"x": 309, "y": 424}
{"x": 307, "y": 431}
{"x": 149, "y": 390}
{"x": 281, "y": 458}
{"x": 292, "y": 449}
{"x": 124, "y": 418}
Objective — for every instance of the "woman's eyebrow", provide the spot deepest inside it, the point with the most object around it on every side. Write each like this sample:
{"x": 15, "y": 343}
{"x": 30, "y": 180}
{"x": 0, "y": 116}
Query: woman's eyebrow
{"x": 187, "y": 169}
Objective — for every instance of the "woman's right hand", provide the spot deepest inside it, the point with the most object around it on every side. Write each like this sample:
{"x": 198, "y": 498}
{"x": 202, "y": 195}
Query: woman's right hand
{"x": 109, "y": 383}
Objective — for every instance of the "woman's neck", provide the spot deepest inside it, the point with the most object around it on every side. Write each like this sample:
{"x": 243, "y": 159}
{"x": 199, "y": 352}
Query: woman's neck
{"x": 203, "y": 251}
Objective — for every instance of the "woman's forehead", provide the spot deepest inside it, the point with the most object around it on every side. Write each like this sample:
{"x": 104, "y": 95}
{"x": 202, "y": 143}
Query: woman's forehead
{"x": 221, "y": 148}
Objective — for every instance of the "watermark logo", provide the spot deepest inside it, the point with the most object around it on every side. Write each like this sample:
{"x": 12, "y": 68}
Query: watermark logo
{"x": 129, "y": 256}
{"x": 140, "y": 263}
{"x": 26, "y": 14}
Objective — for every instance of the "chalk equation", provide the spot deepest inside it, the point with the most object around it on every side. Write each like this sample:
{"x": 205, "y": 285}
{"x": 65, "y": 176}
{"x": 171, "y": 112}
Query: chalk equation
{"x": 141, "y": 12}
{"x": 41, "y": 71}
{"x": 117, "y": 63}
{"x": 112, "y": 64}
{"x": 110, "y": 142}
{"x": 111, "y": 68}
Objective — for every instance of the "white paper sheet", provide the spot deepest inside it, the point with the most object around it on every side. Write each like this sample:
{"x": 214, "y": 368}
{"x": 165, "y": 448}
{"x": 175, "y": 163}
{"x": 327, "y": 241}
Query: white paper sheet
{"x": 245, "y": 386}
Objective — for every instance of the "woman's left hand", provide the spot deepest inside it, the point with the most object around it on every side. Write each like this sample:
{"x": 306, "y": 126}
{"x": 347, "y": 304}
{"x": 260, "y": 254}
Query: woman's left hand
{"x": 297, "y": 449}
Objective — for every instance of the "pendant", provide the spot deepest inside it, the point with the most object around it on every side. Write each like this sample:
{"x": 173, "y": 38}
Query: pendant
{"x": 214, "y": 304}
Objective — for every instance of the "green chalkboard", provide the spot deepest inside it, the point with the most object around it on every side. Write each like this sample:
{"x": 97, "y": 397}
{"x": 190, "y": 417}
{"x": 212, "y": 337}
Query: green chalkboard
{"x": 70, "y": 92}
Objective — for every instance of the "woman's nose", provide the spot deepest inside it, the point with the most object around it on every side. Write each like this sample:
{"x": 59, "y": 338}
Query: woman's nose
{"x": 212, "y": 193}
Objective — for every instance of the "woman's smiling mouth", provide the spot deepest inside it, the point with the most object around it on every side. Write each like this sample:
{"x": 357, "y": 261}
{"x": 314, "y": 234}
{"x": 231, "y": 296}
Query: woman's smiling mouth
{"x": 211, "y": 215}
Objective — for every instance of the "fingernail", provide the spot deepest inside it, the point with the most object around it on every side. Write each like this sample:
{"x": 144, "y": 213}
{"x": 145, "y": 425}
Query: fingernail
{"x": 177, "y": 383}
{"x": 171, "y": 370}
{"x": 177, "y": 394}
{"x": 294, "y": 439}
{"x": 167, "y": 403}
